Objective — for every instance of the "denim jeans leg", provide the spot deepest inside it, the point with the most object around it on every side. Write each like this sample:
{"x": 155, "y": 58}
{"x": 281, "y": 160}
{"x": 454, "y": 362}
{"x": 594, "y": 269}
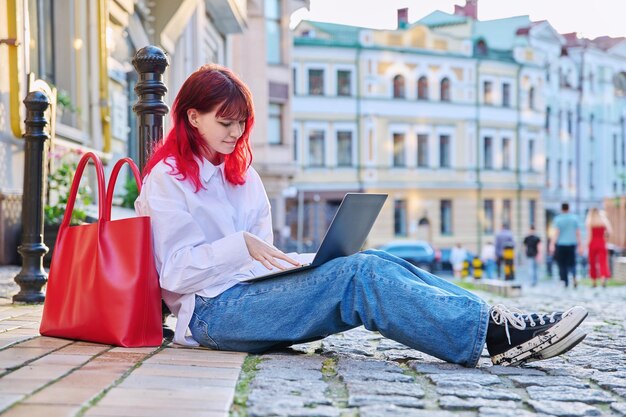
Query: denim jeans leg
{"x": 376, "y": 290}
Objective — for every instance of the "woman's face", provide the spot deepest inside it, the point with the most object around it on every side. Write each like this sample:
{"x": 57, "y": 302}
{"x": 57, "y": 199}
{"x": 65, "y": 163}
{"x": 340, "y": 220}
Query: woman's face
{"x": 220, "y": 134}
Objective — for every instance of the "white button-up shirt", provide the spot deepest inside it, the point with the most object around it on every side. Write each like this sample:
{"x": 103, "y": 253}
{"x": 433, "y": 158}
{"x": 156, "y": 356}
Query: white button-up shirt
{"x": 198, "y": 240}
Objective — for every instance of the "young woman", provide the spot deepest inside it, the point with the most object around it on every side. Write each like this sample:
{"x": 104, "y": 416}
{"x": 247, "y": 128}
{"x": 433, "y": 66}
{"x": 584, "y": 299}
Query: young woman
{"x": 598, "y": 228}
{"x": 212, "y": 228}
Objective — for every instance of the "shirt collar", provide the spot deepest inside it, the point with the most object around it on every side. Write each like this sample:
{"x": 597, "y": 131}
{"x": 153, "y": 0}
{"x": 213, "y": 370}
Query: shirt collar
{"x": 207, "y": 169}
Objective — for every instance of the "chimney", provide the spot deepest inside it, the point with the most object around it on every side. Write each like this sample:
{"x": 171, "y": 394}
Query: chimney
{"x": 470, "y": 9}
{"x": 403, "y": 18}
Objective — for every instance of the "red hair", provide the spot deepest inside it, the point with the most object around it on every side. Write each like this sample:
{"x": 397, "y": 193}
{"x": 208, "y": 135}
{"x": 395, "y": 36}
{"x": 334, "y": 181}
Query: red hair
{"x": 211, "y": 86}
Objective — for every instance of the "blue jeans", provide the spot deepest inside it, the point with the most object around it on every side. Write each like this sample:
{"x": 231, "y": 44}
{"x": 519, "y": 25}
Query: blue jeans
{"x": 533, "y": 269}
{"x": 371, "y": 288}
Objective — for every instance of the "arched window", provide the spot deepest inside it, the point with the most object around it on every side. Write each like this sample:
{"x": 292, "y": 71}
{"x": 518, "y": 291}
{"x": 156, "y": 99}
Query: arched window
{"x": 398, "y": 87}
{"x": 444, "y": 92}
{"x": 531, "y": 98}
{"x": 481, "y": 48}
{"x": 619, "y": 84}
{"x": 422, "y": 88}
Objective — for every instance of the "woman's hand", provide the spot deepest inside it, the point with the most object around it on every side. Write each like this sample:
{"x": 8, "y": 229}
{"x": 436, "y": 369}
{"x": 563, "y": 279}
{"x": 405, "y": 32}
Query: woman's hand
{"x": 265, "y": 253}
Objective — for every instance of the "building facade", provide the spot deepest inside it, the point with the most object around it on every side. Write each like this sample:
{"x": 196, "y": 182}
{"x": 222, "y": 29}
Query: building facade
{"x": 455, "y": 119}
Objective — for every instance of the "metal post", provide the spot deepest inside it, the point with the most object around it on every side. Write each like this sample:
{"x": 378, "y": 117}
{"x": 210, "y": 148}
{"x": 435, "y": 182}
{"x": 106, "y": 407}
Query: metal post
{"x": 32, "y": 276}
{"x": 150, "y": 63}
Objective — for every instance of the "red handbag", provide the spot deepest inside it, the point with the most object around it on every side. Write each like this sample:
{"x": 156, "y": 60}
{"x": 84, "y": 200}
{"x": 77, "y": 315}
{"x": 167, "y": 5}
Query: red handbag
{"x": 103, "y": 286}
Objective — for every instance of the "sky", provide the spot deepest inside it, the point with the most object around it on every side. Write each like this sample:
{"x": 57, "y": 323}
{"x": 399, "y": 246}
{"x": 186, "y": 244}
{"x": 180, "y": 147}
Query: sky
{"x": 589, "y": 18}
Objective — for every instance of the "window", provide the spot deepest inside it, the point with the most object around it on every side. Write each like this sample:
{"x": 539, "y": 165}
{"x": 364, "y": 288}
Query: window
{"x": 531, "y": 98}
{"x": 559, "y": 173}
{"x": 398, "y": 87}
{"x": 344, "y": 148}
{"x": 344, "y": 83}
{"x": 275, "y": 124}
{"x": 615, "y": 153}
{"x": 548, "y": 115}
{"x": 422, "y": 150}
{"x": 444, "y": 92}
{"x": 445, "y": 214}
{"x": 42, "y": 35}
{"x": 488, "y": 92}
{"x": 316, "y": 148}
{"x": 316, "y": 82}
{"x": 399, "y": 159}
{"x": 422, "y": 88}
{"x": 444, "y": 151}
{"x": 296, "y": 145}
{"x": 489, "y": 217}
{"x": 570, "y": 174}
{"x": 506, "y": 153}
{"x": 294, "y": 80}
{"x": 488, "y": 152}
{"x": 547, "y": 173}
{"x": 591, "y": 186}
{"x": 273, "y": 43}
{"x": 399, "y": 218}
{"x": 506, "y": 212}
{"x": 506, "y": 95}
{"x": 570, "y": 122}
{"x": 531, "y": 154}
{"x": 591, "y": 123}
{"x": 532, "y": 212}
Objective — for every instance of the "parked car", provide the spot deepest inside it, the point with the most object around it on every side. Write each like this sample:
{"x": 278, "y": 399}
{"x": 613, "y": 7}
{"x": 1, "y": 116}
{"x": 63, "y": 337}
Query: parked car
{"x": 444, "y": 259}
{"x": 417, "y": 252}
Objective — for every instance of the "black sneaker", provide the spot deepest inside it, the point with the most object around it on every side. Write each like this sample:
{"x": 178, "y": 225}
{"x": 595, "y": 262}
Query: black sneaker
{"x": 515, "y": 337}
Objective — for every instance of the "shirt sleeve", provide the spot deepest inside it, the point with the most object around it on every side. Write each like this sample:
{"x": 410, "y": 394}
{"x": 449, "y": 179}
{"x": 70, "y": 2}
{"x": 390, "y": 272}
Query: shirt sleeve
{"x": 262, "y": 226}
{"x": 187, "y": 263}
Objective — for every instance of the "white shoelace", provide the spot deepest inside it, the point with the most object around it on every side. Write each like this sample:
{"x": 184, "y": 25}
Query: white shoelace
{"x": 502, "y": 315}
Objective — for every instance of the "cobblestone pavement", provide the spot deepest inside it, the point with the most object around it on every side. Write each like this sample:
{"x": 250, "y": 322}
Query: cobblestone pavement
{"x": 360, "y": 373}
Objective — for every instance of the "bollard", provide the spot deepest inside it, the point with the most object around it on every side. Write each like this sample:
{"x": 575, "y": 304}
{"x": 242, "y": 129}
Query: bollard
{"x": 465, "y": 270}
{"x": 509, "y": 268}
{"x": 32, "y": 277}
{"x": 477, "y": 266}
{"x": 150, "y": 63}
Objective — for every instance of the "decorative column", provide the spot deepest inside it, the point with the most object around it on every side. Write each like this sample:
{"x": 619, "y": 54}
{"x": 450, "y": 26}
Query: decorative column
{"x": 150, "y": 63}
{"x": 32, "y": 276}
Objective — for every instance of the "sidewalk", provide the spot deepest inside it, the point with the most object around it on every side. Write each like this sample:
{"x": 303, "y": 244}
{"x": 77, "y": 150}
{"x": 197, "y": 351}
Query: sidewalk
{"x": 356, "y": 373}
{"x": 43, "y": 376}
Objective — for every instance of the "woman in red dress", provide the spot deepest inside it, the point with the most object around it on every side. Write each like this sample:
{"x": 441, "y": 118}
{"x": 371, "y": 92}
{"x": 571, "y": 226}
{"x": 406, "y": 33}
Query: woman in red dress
{"x": 598, "y": 229}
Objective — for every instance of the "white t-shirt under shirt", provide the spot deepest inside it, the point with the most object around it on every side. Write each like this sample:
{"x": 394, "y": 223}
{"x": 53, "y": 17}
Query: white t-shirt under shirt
{"x": 198, "y": 240}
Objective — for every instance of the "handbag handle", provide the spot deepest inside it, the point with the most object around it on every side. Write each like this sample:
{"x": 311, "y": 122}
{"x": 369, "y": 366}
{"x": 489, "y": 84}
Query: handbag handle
{"x": 76, "y": 183}
{"x": 113, "y": 179}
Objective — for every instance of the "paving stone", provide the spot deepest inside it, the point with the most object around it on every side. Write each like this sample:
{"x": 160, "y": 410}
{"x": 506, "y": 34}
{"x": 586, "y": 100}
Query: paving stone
{"x": 565, "y": 408}
{"x": 281, "y": 409}
{"x": 609, "y": 381}
{"x": 482, "y": 379}
{"x": 514, "y": 370}
{"x": 113, "y": 411}
{"x": 385, "y": 388}
{"x": 385, "y": 410}
{"x": 472, "y": 390}
{"x": 442, "y": 368}
{"x": 399, "y": 400}
{"x": 619, "y": 407}
{"x": 507, "y": 412}
{"x": 452, "y": 402}
{"x": 30, "y": 410}
{"x": 544, "y": 381}
{"x": 555, "y": 393}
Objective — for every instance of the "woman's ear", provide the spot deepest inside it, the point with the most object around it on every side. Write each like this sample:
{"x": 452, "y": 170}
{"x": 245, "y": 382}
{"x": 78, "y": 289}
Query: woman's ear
{"x": 192, "y": 116}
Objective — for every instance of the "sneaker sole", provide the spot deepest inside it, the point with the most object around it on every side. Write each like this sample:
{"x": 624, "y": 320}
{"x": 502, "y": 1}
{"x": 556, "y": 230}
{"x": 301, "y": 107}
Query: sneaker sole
{"x": 570, "y": 321}
{"x": 560, "y": 347}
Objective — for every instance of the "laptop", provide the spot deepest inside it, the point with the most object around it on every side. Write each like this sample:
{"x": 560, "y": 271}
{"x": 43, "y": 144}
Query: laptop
{"x": 345, "y": 235}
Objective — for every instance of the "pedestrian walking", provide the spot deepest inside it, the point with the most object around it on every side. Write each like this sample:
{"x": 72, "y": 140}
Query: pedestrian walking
{"x": 531, "y": 243}
{"x": 598, "y": 229}
{"x": 503, "y": 238}
{"x": 488, "y": 256}
{"x": 566, "y": 244}
{"x": 212, "y": 230}
{"x": 458, "y": 255}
